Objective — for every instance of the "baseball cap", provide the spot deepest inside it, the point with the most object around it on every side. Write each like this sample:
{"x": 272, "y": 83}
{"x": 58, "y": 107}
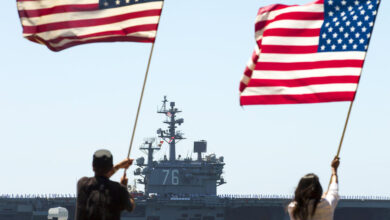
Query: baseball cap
{"x": 102, "y": 159}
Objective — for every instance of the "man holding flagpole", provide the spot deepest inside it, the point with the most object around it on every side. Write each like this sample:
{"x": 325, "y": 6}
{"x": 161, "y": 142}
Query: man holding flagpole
{"x": 99, "y": 198}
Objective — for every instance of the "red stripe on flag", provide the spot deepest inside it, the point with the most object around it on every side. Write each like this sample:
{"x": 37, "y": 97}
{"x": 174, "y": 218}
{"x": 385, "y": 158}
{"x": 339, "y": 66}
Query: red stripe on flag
{"x": 124, "y": 32}
{"x": 291, "y": 16}
{"x": 288, "y": 49}
{"x": 276, "y": 7}
{"x": 308, "y": 65}
{"x": 248, "y": 72}
{"x": 259, "y": 44}
{"x": 242, "y": 86}
{"x": 297, "y": 99}
{"x": 303, "y": 81}
{"x": 292, "y": 32}
{"x": 260, "y": 25}
{"x": 269, "y": 8}
{"x": 107, "y": 39}
{"x": 300, "y": 16}
{"x": 57, "y": 10}
{"x": 88, "y": 22}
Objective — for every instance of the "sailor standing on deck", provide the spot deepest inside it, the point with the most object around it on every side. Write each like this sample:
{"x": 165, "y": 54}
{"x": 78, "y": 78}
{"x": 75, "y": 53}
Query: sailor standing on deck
{"x": 99, "y": 198}
{"x": 309, "y": 203}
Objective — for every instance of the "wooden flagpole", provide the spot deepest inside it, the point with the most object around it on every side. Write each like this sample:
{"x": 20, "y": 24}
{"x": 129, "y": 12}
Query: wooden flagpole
{"x": 345, "y": 128}
{"x": 143, "y": 90}
{"x": 140, "y": 101}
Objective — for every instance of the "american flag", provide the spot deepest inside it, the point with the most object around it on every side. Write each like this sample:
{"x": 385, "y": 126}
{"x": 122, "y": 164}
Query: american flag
{"x": 308, "y": 53}
{"x": 60, "y": 24}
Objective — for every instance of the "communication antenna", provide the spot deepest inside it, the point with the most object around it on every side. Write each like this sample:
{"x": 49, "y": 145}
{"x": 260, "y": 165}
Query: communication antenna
{"x": 170, "y": 135}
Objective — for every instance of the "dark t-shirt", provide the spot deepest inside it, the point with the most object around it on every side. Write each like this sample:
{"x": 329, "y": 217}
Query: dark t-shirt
{"x": 116, "y": 194}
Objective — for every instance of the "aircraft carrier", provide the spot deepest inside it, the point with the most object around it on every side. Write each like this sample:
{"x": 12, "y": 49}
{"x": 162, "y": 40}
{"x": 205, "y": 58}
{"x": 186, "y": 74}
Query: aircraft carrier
{"x": 185, "y": 188}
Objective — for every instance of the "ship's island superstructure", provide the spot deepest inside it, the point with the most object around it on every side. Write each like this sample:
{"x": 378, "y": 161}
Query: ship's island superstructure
{"x": 185, "y": 188}
{"x": 178, "y": 176}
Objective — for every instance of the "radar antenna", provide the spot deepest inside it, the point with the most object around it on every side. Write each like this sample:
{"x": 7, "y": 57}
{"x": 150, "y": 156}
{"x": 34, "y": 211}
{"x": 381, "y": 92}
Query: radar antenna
{"x": 147, "y": 146}
{"x": 164, "y": 106}
{"x": 171, "y": 136}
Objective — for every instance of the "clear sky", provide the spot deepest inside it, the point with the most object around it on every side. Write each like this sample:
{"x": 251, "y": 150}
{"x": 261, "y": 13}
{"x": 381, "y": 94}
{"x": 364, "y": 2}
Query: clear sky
{"x": 56, "y": 109}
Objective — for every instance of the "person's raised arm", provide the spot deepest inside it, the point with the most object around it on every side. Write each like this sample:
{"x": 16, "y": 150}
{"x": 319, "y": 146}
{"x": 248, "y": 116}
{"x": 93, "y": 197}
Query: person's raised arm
{"x": 123, "y": 164}
{"x": 335, "y": 165}
{"x": 332, "y": 195}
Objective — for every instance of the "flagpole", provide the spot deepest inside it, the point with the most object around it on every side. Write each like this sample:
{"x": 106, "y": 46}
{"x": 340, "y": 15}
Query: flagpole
{"x": 140, "y": 101}
{"x": 143, "y": 90}
{"x": 345, "y": 128}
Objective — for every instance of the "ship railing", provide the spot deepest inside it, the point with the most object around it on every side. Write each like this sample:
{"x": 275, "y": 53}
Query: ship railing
{"x": 359, "y": 197}
{"x": 37, "y": 196}
{"x": 255, "y": 196}
{"x": 222, "y": 196}
{"x": 273, "y": 196}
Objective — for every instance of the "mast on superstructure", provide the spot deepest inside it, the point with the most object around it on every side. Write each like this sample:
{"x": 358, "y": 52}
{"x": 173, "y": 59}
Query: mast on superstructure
{"x": 149, "y": 149}
{"x": 171, "y": 136}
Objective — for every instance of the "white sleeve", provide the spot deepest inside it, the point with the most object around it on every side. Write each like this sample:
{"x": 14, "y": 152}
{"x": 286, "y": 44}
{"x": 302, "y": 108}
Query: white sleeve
{"x": 290, "y": 209}
{"x": 333, "y": 195}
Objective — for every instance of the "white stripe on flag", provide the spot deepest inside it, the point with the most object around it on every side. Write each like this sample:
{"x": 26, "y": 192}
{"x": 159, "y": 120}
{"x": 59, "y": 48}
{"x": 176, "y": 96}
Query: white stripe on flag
{"x": 297, "y": 24}
{"x": 312, "y": 89}
{"x": 245, "y": 80}
{"x": 293, "y": 41}
{"x": 71, "y": 32}
{"x": 311, "y": 57}
{"x": 137, "y": 34}
{"x": 297, "y": 74}
{"x": 303, "y": 8}
{"x": 103, "y": 13}
{"x": 40, "y": 4}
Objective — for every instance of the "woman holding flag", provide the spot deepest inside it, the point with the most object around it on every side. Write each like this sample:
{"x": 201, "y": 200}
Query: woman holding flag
{"x": 309, "y": 203}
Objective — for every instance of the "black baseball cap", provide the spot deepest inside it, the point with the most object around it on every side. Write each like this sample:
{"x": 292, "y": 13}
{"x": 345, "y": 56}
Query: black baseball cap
{"x": 102, "y": 159}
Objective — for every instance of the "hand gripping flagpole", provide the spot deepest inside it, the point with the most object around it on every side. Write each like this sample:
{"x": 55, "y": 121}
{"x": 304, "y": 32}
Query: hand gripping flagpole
{"x": 351, "y": 105}
{"x": 143, "y": 90}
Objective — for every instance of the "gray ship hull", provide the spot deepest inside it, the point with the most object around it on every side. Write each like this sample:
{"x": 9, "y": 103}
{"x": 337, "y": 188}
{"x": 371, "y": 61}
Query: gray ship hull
{"x": 200, "y": 208}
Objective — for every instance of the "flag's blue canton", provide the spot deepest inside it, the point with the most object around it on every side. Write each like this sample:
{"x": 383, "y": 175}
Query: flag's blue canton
{"x": 118, "y": 3}
{"x": 347, "y": 25}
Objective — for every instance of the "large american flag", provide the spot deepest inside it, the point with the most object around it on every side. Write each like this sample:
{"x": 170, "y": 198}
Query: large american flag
{"x": 308, "y": 53}
{"x": 60, "y": 24}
